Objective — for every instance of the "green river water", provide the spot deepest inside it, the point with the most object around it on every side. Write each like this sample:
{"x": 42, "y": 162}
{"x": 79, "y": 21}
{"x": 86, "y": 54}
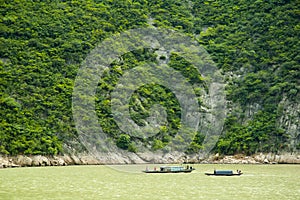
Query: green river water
{"x": 128, "y": 182}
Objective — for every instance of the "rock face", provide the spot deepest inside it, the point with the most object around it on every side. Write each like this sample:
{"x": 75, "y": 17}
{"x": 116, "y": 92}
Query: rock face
{"x": 290, "y": 121}
{"x": 237, "y": 159}
{"x": 174, "y": 157}
{"x": 140, "y": 158}
{"x": 40, "y": 161}
{"x": 7, "y": 162}
{"x": 24, "y": 161}
{"x": 255, "y": 159}
{"x": 280, "y": 159}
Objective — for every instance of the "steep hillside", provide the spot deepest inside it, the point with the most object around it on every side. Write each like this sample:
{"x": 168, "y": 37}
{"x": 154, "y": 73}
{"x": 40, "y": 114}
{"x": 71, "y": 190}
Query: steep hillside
{"x": 255, "y": 44}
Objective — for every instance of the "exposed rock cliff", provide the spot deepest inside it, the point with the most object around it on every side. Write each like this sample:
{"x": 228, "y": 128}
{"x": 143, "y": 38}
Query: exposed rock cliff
{"x": 85, "y": 159}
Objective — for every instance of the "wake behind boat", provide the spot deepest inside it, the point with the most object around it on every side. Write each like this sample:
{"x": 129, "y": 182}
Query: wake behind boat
{"x": 224, "y": 173}
{"x": 171, "y": 169}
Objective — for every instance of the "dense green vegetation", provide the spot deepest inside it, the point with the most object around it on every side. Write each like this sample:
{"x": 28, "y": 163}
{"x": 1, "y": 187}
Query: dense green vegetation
{"x": 42, "y": 44}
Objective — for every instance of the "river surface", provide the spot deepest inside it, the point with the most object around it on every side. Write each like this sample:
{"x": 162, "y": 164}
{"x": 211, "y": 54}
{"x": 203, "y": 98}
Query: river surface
{"x": 128, "y": 182}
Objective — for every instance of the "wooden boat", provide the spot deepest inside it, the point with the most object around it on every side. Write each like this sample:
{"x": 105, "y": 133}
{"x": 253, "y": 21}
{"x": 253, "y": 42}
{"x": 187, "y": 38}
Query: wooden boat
{"x": 171, "y": 169}
{"x": 224, "y": 173}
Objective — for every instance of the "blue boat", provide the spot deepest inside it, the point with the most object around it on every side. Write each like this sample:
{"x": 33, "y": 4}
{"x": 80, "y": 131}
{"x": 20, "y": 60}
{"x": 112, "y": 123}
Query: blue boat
{"x": 224, "y": 173}
{"x": 171, "y": 169}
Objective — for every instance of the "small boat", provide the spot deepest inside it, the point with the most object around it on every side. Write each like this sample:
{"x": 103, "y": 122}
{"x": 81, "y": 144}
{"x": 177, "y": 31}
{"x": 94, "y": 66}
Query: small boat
{"x": 171, "y": 169}
{"x": 224, "y": 173}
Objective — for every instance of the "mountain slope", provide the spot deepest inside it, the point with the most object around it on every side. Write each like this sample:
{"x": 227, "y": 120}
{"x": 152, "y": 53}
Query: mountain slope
{"x": 254, "y": 43}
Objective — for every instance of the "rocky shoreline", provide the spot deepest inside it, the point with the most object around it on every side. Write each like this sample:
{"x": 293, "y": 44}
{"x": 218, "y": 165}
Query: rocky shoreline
{"x": 86, "y": 159}
{"x": 256, "y": 159}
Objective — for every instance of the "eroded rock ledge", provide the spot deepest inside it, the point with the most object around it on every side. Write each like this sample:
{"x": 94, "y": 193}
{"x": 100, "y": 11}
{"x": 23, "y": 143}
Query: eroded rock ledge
{"x": 256, "y": 159}
{"x": 111, "y": 158}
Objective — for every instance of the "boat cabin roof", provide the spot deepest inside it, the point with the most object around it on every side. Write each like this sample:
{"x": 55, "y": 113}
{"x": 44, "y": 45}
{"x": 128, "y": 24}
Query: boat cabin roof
{"x": 171, "y": 168}
{"x": 223, "y": 172}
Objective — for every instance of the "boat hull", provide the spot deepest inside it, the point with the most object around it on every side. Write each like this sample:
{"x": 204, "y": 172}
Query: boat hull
{"x": 212, "y": 174}
{"x": 167, "y": 172}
